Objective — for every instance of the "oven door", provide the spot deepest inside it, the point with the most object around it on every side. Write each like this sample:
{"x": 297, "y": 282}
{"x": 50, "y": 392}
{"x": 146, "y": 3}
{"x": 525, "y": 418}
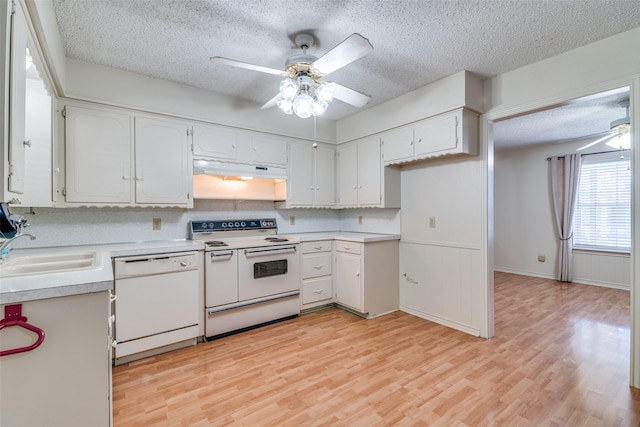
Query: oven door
{"x": 267, "y": 271}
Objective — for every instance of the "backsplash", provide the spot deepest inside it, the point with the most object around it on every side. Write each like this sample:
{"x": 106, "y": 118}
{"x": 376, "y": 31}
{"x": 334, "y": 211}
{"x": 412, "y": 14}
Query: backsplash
{"x": 80, "y": 226}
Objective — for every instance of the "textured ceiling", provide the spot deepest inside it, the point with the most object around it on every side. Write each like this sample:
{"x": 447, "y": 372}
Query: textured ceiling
{"x": 415, "y": 42}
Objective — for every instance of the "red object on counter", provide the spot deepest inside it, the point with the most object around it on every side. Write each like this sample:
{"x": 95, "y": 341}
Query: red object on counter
{"x": 13, "y": 317}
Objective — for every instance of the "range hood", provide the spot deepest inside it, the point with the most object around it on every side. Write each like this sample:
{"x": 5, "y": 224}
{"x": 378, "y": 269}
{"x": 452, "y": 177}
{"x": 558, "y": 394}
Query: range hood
{"x": 237, "y": 170}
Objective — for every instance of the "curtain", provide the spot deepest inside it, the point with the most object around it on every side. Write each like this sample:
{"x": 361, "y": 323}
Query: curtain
{"x": 565, "y": 175}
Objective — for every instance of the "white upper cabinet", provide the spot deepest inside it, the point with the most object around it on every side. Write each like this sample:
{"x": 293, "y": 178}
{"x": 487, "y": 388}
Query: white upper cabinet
{"x": 266, "y": 150}
{"x": 362, "y": 179}
{"x": 237, "y": 145}
{"x": 98, "y": 152}
{"x": 163, "y": 166}
{"x": 215, "y": 142}
{"x": 115, "y": 158}
{"x": 455, "y": 132}
{"x": 311, "y": 180}
{"x": 347, "y": 175}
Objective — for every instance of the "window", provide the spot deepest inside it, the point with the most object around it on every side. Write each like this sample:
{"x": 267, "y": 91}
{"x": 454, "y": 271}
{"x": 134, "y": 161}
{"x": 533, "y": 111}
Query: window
{"x": 603, "y": 212}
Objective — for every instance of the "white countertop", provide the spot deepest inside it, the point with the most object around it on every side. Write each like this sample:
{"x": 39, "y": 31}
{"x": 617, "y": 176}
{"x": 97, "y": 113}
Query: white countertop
{"x": 16, "y": 289}
{"x": 346, "y": 235}
{"x": 30, "y": 287}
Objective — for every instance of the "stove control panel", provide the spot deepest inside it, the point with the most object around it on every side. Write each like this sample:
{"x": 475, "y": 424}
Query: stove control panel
{"x": 232, "y": 225}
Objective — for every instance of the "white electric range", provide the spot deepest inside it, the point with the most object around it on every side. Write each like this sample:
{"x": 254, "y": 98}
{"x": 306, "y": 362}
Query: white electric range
{"x": 252, "y": 274}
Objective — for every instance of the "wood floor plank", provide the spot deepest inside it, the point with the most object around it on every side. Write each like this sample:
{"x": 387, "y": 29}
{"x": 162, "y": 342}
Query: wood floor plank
{"x": 560, "y": 357}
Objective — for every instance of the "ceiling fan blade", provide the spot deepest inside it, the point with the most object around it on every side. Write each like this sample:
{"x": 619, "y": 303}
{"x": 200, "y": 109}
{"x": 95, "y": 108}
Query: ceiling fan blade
{"x": 247, "y": 66}
{"x": 353, "y": 47}
{"x": 350, "y": 96}
{"x": 591, "y": 144}
{"x": 272, "y": 102}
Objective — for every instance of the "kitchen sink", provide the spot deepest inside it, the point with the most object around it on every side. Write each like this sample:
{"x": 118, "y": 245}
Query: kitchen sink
{"x": 49, "y": 263}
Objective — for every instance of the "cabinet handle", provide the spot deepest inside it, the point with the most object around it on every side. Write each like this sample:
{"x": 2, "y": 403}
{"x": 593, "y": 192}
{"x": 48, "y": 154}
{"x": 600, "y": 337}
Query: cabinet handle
{"x": 183, "y": 263}
{"x": 419, "y": 140}
{"x": 317, "y": 188}
{"x": 410, "y": 142}
{"x": 318, "y": 291}
{"x": 27, "y": 143}
{"x": 255, "y": 149}
{"x": 318, "y": 267}
{"x": 233, "y": 145}
{"x": 360, "y": 187}
{"x": 317, "y": 248}
{"x": 125, "y": 177}
{"x": 311, "y": 188}
{"x": 138, "y": 178}
{"x": 355, "y": 187}
{"x": 357, "y": 274}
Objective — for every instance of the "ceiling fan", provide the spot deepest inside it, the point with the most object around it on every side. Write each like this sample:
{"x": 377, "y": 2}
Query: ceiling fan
{"x": 304, "y": 90}
{"x": 619, "y": 128}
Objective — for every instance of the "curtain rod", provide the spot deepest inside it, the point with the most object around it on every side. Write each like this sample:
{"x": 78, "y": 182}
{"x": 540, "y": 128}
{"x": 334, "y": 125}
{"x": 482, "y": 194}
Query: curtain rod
{"x": 599, "y": 152}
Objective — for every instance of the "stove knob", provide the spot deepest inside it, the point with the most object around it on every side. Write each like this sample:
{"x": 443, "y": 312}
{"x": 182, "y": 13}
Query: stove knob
{"x": 237, "y": 224}
{"x": 224, "y": 225}
{"x": 243, "y": 224}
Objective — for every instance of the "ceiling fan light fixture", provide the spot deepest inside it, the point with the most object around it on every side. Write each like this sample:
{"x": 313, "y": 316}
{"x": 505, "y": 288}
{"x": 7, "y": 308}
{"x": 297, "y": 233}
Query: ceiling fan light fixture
{"x": 288, "y": 88}
{"x": 324, "y": 92}
{"x": 286, "y": 105}
{"x": 303, "y": 105}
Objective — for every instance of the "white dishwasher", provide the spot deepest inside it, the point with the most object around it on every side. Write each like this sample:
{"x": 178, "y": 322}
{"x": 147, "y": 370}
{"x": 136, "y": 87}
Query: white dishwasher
{"x": 158, "y": 304}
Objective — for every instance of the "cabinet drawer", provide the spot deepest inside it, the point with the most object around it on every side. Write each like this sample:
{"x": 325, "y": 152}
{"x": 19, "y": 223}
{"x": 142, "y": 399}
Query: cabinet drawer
{"x": 316, "y": 265}
{"x": 311, "y": 247}
{"x": 350, "y": 247}
{"x": 316, "y": 290}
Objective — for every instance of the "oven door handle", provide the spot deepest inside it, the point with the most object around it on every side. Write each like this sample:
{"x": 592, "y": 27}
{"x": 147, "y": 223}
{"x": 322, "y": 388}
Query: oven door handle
{"x": 221, "y": 256}
{"x": 269, "y": 251}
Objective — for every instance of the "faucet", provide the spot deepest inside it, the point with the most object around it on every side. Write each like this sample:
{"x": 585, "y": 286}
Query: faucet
{"x": 4, "y": 248}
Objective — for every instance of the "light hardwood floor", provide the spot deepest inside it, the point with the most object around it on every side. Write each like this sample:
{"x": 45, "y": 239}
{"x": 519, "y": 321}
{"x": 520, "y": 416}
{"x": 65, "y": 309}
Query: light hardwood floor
{"x": 560, "y": 357}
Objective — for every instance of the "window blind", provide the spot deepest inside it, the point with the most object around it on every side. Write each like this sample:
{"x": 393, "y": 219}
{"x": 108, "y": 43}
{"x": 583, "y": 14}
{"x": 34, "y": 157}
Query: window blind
{"x": 602, "y": 218}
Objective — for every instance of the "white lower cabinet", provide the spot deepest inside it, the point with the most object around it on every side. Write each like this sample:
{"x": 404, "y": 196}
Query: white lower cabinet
{"x": 66, "y": 380}
{"x": 317, "y": 280}
{"x": 366, "y": 276}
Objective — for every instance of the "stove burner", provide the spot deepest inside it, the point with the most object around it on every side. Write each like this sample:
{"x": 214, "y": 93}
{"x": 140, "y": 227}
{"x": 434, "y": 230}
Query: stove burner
{"x": 216, "y": 243}
{"x": 276, "y": 239}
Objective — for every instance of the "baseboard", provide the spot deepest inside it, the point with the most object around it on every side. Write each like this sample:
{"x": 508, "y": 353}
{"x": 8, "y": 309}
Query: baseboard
{"x": 578, "y": 280}
{"x": 442, "y": 321}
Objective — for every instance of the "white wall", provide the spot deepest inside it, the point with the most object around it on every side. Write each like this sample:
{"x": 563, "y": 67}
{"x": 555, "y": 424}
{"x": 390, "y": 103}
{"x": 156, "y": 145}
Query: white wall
{"x": 571, "y": 75}
{"x": 524, "y": 221}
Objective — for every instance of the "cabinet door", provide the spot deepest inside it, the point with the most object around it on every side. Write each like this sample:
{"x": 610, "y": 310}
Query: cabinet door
{"x": 17, "y": 93}
{"x": 398, "y": 144}
{"x": 300, "y": 184}
{"x": 98, "y": 155}
{"x": 369, "y": 172}
{"x": 348, "y": 176}
{"x": 325, "y": 177}
{"x": 347, "y": 280}
{"x": 268, "y": 151}
{"x": 163, "y": 163}
{"x": 438, "y": 133}
{"x": 211, "y": 141}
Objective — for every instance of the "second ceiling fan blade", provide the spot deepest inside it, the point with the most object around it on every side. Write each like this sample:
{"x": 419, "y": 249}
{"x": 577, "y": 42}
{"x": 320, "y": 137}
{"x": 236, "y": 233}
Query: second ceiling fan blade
{"x": 247, "y": 66}
{"x": 350, "y": 96}
{"x": 591, "y": 144}
{"x": 354, "y": 47}
{"x": 272, "y": 102}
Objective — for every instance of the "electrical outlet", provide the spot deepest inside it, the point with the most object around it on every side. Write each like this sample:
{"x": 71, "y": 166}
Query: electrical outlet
{"x": 157, "y": 223}
{"x": 360, "y": 219}
{"x": 541, "y": 258}
{"x": 432, "y": 222}
{"x": 292, "y": 220}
